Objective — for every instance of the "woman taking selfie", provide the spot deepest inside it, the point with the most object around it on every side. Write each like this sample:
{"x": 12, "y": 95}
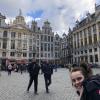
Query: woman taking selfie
{"x": 87, "y": 85}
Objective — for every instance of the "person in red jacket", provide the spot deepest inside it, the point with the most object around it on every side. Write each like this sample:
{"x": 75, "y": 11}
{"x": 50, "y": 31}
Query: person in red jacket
{"x": 86, "y": 84}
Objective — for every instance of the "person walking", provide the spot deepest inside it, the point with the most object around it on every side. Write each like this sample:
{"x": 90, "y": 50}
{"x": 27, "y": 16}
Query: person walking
{"x": 9, "y": 69}
{"x": 21, "y": 68}
{"x": 33, "y": 69}
{"x": 48, "y": 71}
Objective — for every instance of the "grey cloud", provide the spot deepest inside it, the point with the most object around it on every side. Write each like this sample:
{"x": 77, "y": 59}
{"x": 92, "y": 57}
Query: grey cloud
{"x": 61, "y": 13}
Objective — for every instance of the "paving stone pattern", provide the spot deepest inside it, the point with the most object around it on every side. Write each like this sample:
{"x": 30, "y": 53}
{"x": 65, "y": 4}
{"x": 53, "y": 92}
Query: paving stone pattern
{"x": 14, "y": 87}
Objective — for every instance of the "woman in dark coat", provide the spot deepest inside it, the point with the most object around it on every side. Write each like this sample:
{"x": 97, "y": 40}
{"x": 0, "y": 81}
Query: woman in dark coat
{"x": 86, "y": 84}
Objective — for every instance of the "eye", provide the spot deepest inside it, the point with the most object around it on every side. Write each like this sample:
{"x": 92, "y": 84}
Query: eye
{"x": 73, "y": 80}
{"x": 79, "y": 78}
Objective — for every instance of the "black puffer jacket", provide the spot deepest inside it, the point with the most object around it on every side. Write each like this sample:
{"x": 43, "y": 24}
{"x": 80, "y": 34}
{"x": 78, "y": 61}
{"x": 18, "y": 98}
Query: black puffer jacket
{"x": 91, "y": 88}
{"x": 33, "y": 69}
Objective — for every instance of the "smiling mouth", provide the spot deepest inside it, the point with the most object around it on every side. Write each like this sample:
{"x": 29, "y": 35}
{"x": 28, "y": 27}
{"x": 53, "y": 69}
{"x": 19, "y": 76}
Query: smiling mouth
{"x": 79, "y": 86}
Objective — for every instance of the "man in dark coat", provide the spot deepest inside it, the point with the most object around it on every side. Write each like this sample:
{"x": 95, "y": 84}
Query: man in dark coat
{"x": 48, "y": 71}
{"x": 33, "y": 69}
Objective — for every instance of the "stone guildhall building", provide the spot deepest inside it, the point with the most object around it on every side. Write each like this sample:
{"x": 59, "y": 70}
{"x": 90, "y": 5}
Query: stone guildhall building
{"x": 19, "y": 43}
{"x": 84, "y": 40}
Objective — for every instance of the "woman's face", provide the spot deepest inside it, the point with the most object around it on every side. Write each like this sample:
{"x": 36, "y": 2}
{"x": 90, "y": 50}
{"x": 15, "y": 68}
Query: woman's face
{"x": 77, "y": 79}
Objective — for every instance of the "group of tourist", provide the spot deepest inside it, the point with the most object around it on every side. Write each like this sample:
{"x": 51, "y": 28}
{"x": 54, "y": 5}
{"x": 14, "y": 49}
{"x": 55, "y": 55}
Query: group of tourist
{"x": 87, "y": 85}
{"x": 33, "y": 69}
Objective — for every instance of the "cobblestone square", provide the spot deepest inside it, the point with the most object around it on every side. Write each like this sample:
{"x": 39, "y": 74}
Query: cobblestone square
{"x": 14, "y": 87}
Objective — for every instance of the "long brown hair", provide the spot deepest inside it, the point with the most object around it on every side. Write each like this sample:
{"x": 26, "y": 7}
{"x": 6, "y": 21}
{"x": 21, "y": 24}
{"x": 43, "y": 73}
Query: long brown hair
{"x": 84, "y": 68}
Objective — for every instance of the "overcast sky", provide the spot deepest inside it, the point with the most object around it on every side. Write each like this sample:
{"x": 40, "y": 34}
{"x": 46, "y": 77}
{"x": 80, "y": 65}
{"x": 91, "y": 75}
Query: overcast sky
{"x": 62, "y": 14}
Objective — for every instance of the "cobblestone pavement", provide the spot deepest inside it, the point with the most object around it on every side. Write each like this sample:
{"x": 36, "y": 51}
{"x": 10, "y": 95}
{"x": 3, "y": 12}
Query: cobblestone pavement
{"x": 14, "y": 87}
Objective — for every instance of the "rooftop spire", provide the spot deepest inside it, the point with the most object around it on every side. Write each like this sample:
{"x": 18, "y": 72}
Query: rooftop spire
{"x": 20, "y": 12}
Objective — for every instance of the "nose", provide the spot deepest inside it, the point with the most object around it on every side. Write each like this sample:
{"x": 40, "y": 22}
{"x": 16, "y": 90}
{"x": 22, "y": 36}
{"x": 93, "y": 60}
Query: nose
{"x": 77, "y": 82}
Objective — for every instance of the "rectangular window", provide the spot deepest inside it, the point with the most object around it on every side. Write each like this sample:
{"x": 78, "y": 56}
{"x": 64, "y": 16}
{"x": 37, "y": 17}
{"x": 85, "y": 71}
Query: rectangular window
{"x": 5, "y": 34}
{"x": 78, "y": 44}
{"x": 91, "y": 58}
{"x": 95, "y": 49}
{"x": 41, "y": 46}
{"x": 45, "y": 54}
{"x": 96, "y": 58}
{"x": 37, "y": 54}
{"x": 56, "y": 48}
{"x": 95, "y": 38}
{"x": 37, "y": 49}
{"x": 37, "y": 42}
{"x": 85, "y": 40}
{"x": 85, "y": 51}
{"x": 12, "y": 53}
{"x": 41, "y": 37}
{"x": 4, "y": 46}
{"x": 37, "y": 36}
{"x": 24, "y": 46}
{"x": 81, "y": 52}
{"x": 19, "y": 43}
{"x": 48, "y": 38}
{"x": 48, "y": 47}
{"x": 13, "y": 34}
{"x": 51, "y": 39}
{"x": 19, "y": 35}
{"x": 30, "y": 48}
{"x": 12, "y": 44}
{"x": 24, "y": 54}
{"x": 81, "y": 42}
{"x": 30, "y": 41}
{"x": 56, "y": 55}
{"x": 45, "y": 47}
{"x": 45, "y": 38}
{"x": 75, "y": 44}
{"x": 48, "y": 55}
{"x": 90, "y": 39}
{"x": 25, "y": 35}
{"x": 51, "y": 47}
{"x": 90, "y": 50}
{"x": 41, "y": 54}
{"x": 30, "y": 54}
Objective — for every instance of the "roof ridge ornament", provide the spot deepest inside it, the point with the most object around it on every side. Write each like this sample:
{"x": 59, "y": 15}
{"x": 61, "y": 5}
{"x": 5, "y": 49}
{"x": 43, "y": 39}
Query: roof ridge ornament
{"x": 20, "y": 12}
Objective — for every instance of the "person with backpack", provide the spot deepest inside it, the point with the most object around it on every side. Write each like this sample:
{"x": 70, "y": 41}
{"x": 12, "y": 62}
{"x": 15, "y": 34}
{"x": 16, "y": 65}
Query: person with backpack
{"x": 87, "y": 85}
